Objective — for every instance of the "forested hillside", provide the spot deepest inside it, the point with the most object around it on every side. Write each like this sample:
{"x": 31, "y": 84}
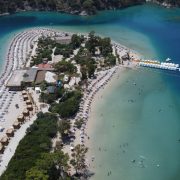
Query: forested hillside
{"x": 71, "y": 6}
{"x": 171, "y": 2}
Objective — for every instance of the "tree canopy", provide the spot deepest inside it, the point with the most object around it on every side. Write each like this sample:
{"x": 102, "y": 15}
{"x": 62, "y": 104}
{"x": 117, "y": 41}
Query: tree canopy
{"x": 68, "y": 105}
{"x": 73, "y": 6}
{"x": 65, "y": 67}
{"x": 30, "y": 148}
{"x": 49, "y": 167}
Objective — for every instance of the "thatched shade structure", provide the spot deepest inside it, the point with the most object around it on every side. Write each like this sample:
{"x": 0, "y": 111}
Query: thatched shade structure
{"x": 25, "y": 97}
{"x": 1, "y": 148}
{"x": 26, "y": 113}
{"x": 24, "y": 93}
{"x": 16, "y": 125}
{"x": 21, "y": 118}
{"x": 10, "y": 132}
{"x": 30, "y": 107}
{"x": 4, "y": 140}
{"x": 28, "y": 102}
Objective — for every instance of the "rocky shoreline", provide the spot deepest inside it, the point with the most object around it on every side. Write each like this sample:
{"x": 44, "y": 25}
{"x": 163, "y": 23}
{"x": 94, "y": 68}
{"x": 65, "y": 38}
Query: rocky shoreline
{"x": 164, "y": 4}
{"x": 64, "y": 7}
{"x": 83, "y": 12}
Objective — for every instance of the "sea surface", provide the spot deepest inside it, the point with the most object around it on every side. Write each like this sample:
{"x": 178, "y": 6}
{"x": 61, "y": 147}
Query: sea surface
{"x": 138, "y": 123}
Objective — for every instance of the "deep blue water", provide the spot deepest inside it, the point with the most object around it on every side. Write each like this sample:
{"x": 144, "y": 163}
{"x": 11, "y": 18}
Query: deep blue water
{"x": 148, "y": 29}
{"x": 160, "y": 25}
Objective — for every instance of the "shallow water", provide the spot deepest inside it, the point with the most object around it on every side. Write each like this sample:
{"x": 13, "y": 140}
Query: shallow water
{"x": 141, "y": 122}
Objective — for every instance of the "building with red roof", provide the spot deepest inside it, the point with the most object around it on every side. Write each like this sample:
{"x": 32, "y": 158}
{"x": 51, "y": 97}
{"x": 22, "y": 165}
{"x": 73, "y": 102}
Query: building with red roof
{"x": 44, "y": 66}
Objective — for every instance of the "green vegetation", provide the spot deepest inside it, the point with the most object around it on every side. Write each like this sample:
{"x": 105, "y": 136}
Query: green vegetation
{"x": 32, "y": 159}
{"x": 72, "y": 6}
{"x": 110, "y": 60}
{"x": 47, "y": 44}
{"x": 64, "y": 127}
{"x": 63, "y": 49}
{"x": 95, "y": 47}
{"x": 49, "y": 167}
{"x": 51, "y": 98}
{"x": 44, "y": 51}
{"x": 94, "y": 42}
{"x": 31, "y": 147}
{"x": 105, "y": 46}
{"x": 65, "y": 67}
{"x": 79, "y": 123}
{"x": 68, "y": 105}
{"x": 76, "y": 41}
{"x": 78, "y": 160}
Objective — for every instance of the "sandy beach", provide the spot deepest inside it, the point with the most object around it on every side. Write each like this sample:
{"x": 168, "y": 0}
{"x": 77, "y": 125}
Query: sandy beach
{"x": 12, "y": 102}
{"x": 87, "y": 111}
{"x": 21, "y": 49}
{"x": 98, "y": 99}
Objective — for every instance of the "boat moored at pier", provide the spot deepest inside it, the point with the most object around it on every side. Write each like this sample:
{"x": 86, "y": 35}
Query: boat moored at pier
{"x": 159, "y": 65}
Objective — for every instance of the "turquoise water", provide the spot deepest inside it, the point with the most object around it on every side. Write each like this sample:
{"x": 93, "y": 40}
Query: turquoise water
{"x": 146, "y": 129}
{"x": 141, "y": 122}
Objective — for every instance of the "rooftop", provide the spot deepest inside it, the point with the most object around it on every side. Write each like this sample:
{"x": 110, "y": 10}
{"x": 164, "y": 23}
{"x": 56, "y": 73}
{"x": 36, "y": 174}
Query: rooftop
{"x": 43, "y": 65}
{"x": 63, "y": 39}
{"x": 22, "y": 75}
{"x": 28, "y": 76}
{"x": 16, "y": 78}
{"x": 40, "y": 77}
{"x": 51, "y": 89}
{"x": 31, "y": 75}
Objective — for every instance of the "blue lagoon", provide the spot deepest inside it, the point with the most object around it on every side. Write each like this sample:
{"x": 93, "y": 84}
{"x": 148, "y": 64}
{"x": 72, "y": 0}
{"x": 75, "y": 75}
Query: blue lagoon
{"x": 135, "y": 131}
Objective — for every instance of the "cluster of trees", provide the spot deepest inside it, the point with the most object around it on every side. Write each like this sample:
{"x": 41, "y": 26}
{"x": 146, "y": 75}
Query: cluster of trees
{"x": 78, "y": 160}
{"x": 50, "y": 98}
{"x": 94, "y": 46}
{"x": 65, "y": 67}
{"x": 76, "y": 41}
{"x": 63, "y": 49}
{"x": 67, "y": 49}
{"x": 44, "y": 50}
{"x": 46, "y": 45}
{"x": 94, "y": 42}
{"x": 33, "y": 159}
{"x": 36, "y": 142}
{"x": 50, "y": 166}
{"x": 64, "y": 128}
{"x": 88, "y": 64}
{"x": 110, "y": 60}
{"x": 79, "y": 123}
{"x": 73, "y": 6}
{"x": 68, "y": 105}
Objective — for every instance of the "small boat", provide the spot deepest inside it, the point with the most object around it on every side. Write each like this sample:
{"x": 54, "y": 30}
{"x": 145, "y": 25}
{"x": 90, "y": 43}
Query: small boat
{"x": 168, "y": 59}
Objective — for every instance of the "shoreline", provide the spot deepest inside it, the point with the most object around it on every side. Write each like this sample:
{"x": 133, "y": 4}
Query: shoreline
{"x": 83, "y": 13}
{"x": 16, "y": 59}
{"x": 98, "y": 98}
{"x": 17, "y": 51}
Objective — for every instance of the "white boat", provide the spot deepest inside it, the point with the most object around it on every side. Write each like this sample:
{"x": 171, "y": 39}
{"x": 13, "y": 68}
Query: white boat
{"x": 160, "y": 65}
{"x": 168, "y": 59}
